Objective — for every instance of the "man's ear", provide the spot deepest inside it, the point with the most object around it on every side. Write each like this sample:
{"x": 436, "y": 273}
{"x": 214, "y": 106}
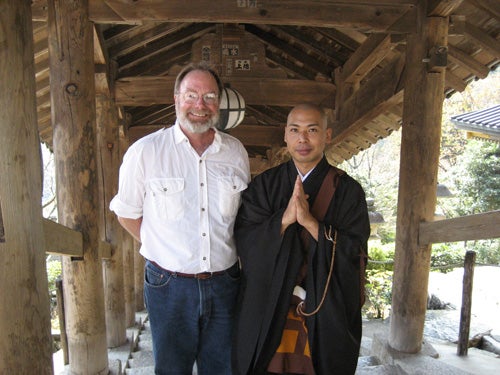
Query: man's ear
{"x": 328, "y": 136}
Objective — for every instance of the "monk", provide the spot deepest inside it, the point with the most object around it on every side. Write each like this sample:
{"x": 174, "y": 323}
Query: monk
{"x": 302, "y": 247}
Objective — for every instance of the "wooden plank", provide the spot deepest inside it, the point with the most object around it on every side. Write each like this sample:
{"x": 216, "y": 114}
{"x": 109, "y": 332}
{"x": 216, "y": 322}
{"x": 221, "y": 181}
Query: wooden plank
{"x": 368, "y": 15}
{"x": 465, "y": 228}
{"x": 62, "y": 240}
{"x": 145, "y": 91}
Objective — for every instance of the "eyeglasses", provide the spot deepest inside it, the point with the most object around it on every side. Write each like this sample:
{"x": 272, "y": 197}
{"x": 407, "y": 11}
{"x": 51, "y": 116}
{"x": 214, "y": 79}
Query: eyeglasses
{"x": 192, "y": 97}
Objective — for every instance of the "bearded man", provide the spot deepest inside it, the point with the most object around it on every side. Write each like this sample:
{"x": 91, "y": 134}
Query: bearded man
{"x": 179, "y": 193}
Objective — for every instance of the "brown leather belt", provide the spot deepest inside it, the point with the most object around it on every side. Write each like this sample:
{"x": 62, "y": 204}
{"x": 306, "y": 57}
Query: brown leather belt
{"x": 200, "y": 276}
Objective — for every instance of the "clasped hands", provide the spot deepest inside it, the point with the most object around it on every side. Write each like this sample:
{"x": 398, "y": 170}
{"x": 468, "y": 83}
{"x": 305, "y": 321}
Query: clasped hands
{"x": 297, "y": 210}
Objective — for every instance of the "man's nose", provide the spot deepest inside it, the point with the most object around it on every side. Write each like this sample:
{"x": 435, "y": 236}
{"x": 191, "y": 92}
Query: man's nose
{"x": 303, "y": 136}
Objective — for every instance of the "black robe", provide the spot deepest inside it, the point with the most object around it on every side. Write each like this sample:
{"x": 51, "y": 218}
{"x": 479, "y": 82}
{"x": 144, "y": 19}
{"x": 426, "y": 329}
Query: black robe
{"x": 271, "y": 262}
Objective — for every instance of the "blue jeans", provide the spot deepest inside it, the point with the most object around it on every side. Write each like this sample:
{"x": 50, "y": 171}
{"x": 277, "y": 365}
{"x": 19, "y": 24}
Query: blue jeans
{"x": 191, "y": 320}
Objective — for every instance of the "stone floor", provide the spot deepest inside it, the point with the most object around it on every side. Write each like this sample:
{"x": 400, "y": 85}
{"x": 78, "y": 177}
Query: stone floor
{"x": 437, "y": 357}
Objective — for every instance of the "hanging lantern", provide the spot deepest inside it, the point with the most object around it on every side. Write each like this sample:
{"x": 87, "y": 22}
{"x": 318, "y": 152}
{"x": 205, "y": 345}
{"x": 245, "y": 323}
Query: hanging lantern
{"x": 232, "y": 109}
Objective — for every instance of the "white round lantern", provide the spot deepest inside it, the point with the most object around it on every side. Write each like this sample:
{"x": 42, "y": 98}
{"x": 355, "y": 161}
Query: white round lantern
{"x": 232, "y": 109}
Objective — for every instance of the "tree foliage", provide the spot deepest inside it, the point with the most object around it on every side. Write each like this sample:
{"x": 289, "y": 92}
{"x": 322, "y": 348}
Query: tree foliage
{"x": 477, "y": 177}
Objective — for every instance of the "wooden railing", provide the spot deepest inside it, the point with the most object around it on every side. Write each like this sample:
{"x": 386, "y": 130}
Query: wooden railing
{"x": 472, "y": 227}
{"x": 62, "y": 240}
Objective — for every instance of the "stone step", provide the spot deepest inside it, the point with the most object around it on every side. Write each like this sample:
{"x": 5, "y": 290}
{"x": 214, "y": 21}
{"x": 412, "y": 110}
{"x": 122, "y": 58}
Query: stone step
{"x": 148, "y": 370}
{"x": 142, "y": 358}
{"x": 380, "y": 370}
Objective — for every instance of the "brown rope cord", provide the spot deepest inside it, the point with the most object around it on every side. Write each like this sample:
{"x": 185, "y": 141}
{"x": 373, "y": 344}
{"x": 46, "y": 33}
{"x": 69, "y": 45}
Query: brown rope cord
{"x": 299, "y": 310}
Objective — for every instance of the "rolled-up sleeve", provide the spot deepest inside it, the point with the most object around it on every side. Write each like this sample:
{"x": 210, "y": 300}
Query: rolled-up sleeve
{"x": 128, "y": 202}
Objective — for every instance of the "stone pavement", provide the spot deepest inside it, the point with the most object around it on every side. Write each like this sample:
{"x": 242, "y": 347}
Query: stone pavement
{"x": 376, "y": 357}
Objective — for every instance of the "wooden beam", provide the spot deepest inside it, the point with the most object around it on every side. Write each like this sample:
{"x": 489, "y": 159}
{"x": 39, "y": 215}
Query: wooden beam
{"x": 259, "y": 135}
{"x": 268, "y": 38}
{"x": 454, "y": 82}
{"x": 420, "y": 141}
{"x": 491, "y": 7}
{"x": 62, "y": 240}
{"x": 25, "y": 343}
{"x": 467, "y": 62}
{"x": 71, "y": 54}
{"x": 366, "y": 57}
{"x": 487, "y": 43}
{"x": 145, "y": 91}
{"x": 465, "y": 228}
{"x": 442, "y": 8}
{"x": 372, "y": 99}
{"x": 249, "y": 135}
{"x": 367, "y": 15}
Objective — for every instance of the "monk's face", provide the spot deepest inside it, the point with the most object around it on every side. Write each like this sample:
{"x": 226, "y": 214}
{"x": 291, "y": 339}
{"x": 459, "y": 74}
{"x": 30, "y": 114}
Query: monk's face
{"x": 306, "y": 136}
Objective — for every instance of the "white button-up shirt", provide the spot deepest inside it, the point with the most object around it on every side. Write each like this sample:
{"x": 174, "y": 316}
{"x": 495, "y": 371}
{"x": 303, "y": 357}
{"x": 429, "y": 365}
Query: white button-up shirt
{"x": 188, "y": 202}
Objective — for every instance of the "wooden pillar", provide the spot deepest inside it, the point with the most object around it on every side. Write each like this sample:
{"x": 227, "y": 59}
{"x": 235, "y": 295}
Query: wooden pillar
{"x": 109, "y": 164}
{"x": 139, "y": 263}
{"x": 25, "y": 344}
{"x": 72, "y": 91}
{"x": 465, "y": 311}
{"x": 128, "y": 276}
{"x": 421, "y": 135}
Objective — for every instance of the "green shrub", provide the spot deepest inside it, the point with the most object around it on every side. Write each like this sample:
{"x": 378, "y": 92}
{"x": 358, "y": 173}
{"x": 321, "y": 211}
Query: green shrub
{"x": 54, "y": 270}
{"x": 446, "y": 257}
{"x": 380, "y": 257}
{"x": 378, "y": 294}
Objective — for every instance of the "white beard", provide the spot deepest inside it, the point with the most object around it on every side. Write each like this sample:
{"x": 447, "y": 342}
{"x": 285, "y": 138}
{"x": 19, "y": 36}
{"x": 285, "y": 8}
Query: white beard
{"x": 196, "y": 127}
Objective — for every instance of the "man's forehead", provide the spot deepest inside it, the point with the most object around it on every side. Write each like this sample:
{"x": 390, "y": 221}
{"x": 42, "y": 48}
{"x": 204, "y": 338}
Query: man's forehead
{"x": 297, "y": 125}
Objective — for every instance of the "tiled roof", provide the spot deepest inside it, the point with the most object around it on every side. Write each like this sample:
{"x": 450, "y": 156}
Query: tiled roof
{"x": 486, "y": 121}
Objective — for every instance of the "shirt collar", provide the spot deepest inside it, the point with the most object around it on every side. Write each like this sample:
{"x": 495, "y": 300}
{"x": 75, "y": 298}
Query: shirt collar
{"x": 179, "y": 137}
{"x": 303, "y": 177}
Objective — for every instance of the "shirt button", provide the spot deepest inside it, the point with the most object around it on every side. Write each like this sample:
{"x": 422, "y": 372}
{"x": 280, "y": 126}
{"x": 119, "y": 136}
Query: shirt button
{"x": 204, "y": 258}
{"x": 203, "y": 234}
{"x": 201, "y": 161}
{"x": 202, "y": 184}
{"x": 203, "y": 208}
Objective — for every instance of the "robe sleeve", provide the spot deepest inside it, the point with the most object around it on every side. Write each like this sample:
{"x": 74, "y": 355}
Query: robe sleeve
{"x": 266, "y": 259}
{"x": 337, "y": 326}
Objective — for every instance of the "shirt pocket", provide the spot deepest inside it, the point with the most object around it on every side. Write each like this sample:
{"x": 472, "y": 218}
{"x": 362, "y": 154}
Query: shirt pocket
{"x": 167, "y": 195}
{"x": 230, "y": 188}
